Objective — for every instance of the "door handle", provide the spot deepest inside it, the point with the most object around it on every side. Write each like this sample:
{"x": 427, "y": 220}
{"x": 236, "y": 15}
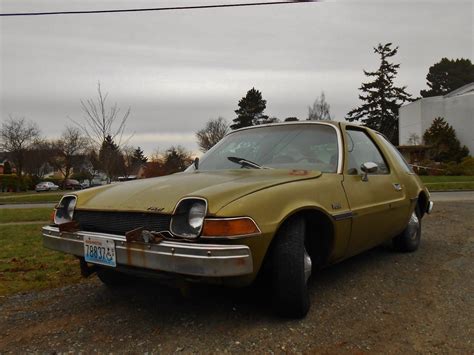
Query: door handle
{"x": 397, "y": 187}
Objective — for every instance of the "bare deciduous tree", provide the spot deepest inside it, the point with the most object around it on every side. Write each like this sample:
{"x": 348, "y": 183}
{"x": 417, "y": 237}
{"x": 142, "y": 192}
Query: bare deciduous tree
{"x": 212, "y": 133}
{"x": 320, "y": 109}
{"x": 69, "y": 151}
{"x": 16, "y": 137}
{"x": 101, "y": 121}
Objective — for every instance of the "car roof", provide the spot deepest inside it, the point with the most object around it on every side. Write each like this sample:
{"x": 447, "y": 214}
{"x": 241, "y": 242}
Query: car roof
{"x": 336, "y": 124}
{"x": 332, "y": 123}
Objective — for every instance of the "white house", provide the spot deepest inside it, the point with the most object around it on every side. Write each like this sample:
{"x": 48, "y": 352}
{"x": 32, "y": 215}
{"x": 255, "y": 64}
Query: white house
{"x": 457, "y": 108}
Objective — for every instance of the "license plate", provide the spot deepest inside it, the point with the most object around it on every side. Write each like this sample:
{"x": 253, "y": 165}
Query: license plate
{"x": 99, "y": 251}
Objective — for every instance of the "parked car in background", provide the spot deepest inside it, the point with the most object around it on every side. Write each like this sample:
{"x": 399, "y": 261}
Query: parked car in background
{"x": 97, "y": 182}
{"x": 278, "y": 201}
{"x": 46, "y": 186}
{"x": 85, "y": 184}
{"x": 71, "y": 184}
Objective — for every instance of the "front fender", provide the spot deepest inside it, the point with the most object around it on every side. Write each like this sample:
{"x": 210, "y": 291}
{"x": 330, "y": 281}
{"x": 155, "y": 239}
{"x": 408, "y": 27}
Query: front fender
{"x": 270, "y": 208}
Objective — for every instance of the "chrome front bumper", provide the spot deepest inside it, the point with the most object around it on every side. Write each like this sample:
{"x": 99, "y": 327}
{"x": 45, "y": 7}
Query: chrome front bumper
{"x": 208, "y": 260}
{"x": 429, "y": 208}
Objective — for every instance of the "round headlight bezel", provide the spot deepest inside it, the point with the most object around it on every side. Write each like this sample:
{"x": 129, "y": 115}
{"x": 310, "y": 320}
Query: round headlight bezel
{"x": 64, "y": 211}
{"x": 188, "y": 217}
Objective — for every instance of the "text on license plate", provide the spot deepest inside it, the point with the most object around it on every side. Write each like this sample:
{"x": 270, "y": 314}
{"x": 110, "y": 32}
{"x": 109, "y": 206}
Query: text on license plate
{"x": 99, "y": 251}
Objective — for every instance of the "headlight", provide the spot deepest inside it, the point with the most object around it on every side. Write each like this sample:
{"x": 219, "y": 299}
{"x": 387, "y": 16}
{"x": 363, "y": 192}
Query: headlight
{"x": 188, "y": 218}
{"x": 65, "y": 210}
{"x": 196, "y": 215}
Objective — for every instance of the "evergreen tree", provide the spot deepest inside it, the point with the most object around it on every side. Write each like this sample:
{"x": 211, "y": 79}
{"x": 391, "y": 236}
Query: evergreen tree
{"x": 250, "y": 111}
{"x": 382, "y": 99}
{"x": 448, "y": 75}
{"x": 176, "y": 159}
{"x": 7, "y": 168}
{"x": 445, "y": 146}
{"x": 110, "y": 158}
{"x": 139, "y": 157}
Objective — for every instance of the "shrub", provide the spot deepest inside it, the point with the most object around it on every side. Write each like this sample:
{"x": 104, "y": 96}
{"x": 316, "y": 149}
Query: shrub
{"x": 467, "y": 166}
{"x": 453, "y": 169}
{"x": 429, "y": 167}
{"x": 13, "y": 183}
{"x": 445, "y": 146}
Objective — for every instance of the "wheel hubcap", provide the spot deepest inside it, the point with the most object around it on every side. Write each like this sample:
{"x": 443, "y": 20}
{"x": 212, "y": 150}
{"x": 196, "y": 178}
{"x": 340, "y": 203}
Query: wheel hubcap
{"x": 413, "y": 226}
{"x": 307, "y": 265}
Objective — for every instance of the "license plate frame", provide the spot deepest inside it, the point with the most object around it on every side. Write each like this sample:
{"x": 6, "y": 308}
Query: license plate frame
{"x": 100, "y": 251}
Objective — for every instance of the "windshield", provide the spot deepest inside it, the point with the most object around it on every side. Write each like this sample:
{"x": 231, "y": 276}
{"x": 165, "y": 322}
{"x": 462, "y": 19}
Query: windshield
{"x": 305, "y": 147}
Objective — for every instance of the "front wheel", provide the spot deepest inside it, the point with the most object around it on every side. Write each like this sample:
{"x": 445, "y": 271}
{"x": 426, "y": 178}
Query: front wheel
{"x": 291, "y": 270}
{"x": 409, "y": 239}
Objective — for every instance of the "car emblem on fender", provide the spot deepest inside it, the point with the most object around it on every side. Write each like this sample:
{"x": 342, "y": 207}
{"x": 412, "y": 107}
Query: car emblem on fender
{"x": 155, "y": 209}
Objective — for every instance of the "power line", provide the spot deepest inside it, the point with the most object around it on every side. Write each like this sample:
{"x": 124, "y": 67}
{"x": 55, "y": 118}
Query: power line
{"x": 82, "y": 12}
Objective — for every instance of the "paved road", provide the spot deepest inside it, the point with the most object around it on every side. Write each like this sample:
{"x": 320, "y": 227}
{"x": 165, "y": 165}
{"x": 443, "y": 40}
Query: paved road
{"x": 27, "y": 205}
{"x": 453, "y": 196}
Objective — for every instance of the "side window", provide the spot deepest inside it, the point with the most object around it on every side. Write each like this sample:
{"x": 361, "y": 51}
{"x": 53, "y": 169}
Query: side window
{"x": 397, "y": 155}
{"x": 361, "y": 149}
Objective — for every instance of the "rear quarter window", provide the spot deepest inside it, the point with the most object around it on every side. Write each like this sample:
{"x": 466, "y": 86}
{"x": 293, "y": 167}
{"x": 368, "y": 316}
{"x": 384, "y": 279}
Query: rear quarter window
{"x": 396, "y": 154}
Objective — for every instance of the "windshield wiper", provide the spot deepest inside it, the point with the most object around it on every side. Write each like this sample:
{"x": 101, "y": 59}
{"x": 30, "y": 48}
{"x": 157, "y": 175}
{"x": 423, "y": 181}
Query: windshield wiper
{"x": 245, "y": 163}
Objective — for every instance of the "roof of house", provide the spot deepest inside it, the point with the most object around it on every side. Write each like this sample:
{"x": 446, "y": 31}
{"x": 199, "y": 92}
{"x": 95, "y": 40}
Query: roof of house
{"x": 468, "y": 88}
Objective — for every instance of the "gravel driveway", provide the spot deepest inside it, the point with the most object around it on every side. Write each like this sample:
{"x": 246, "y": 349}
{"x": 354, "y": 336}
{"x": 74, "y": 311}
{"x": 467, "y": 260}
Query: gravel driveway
{"x": 380, "y": 302}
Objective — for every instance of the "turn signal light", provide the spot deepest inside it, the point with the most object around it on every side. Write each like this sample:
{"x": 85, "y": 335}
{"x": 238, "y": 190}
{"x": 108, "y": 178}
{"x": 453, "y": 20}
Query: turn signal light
{"x": 229, "y": 227}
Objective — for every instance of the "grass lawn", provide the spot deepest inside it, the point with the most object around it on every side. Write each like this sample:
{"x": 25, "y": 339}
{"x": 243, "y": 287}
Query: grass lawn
{"x": 25, "y": 215}
{"x": 438, "y": 183}
{"x": 25, "y": 265}
{"x": 30, "y": 197}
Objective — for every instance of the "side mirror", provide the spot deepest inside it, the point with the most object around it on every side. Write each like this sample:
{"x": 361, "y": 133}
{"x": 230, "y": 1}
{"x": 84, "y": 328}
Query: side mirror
{"x": 368, "y": 168}
{"x": 196, "y": 163}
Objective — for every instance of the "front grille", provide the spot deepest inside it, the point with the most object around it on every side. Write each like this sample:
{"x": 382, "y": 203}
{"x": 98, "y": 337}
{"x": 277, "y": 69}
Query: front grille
{"x": 120, "y": 222}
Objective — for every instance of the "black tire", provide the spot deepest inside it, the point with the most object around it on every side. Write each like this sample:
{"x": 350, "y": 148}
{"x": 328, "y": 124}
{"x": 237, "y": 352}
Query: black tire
{"x": 289, "y": 283}
{"x": 409, "y": 240}
{"x": 113, "y": 278}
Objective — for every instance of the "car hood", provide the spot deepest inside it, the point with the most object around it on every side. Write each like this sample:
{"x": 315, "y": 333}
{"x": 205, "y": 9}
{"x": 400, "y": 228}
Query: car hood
{"x": 162, "y": 194}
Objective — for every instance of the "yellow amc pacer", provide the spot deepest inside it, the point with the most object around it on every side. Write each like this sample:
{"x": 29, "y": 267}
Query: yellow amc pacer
{"x": 282, "y": 200}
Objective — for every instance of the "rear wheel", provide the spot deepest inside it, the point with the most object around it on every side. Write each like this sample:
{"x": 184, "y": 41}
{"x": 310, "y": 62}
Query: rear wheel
{"x": 291, "y": 270}
{"x": 113, "y": 278}
{"x": 409, "y": 239}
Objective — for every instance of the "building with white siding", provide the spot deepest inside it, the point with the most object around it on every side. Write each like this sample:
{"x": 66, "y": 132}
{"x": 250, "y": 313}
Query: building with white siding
{"x": 457, "y": 108}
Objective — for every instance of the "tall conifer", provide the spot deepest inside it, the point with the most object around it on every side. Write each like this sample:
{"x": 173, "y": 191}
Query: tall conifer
{"x": 381, "y": 98}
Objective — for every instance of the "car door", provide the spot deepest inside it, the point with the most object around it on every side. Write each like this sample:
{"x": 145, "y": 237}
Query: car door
{"x": 378, "y": 203}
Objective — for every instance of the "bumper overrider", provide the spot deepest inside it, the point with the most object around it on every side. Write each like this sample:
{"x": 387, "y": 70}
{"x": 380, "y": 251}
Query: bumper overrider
{"x": 194, "y": 259}
{"x": 429, "y": 207}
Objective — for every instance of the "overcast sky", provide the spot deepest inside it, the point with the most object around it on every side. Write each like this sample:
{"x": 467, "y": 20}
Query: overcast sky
{"x": 178, "y": 69}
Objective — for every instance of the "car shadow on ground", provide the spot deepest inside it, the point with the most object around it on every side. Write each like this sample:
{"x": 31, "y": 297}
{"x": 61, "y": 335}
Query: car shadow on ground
{"x": 161, "y": 302}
